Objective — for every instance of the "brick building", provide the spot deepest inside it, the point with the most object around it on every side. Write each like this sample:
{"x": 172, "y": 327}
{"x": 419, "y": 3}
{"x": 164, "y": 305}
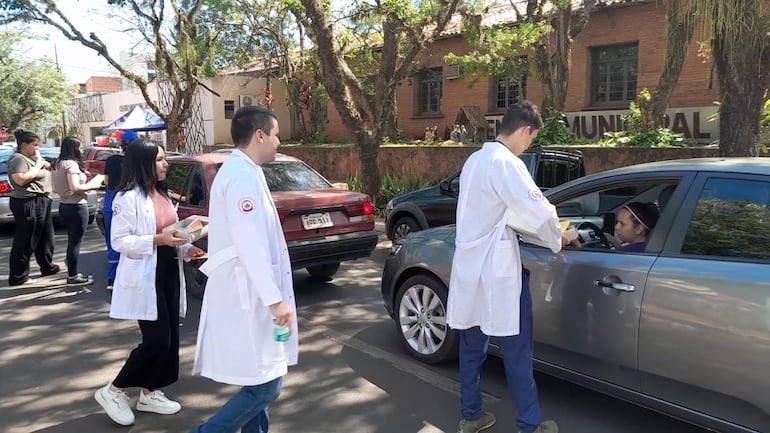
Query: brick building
{"x": 619, "y": 53}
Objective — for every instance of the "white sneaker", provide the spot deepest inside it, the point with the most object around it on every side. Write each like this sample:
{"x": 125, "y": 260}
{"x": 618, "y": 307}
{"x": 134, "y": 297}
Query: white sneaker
{"x": 157, "y": 402}
{"x": 115, "y": 404}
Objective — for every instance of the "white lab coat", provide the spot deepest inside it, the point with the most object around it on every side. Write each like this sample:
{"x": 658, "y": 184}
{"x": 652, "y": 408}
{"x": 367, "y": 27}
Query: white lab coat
{"x": 248, "y": 269}
{"x": 498, "y": 200}
{"x": 132, "y": 233}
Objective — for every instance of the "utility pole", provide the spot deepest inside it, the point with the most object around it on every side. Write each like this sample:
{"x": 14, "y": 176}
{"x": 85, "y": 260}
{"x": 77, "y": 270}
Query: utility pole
{"x": 64, "y": 111}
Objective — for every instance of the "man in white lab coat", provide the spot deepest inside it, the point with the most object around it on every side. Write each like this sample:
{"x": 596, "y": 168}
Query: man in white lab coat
{"x": 488, "y": 288}
{"x": 249, "y": 290}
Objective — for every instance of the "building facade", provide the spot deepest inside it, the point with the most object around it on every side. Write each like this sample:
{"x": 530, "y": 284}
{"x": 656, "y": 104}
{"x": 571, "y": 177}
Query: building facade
{"x": 619, "y": 53}
{"x": 210, "y": 123}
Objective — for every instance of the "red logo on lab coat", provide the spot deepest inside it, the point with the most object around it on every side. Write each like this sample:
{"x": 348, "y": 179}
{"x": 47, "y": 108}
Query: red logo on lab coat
{"x": 246, "y": 205}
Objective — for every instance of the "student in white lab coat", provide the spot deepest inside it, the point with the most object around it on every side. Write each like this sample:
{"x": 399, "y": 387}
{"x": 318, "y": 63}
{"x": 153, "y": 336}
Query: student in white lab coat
{"x": 149, "y": 284}
{"x": 249, "y": 293}
{"x": 488, "y": 288}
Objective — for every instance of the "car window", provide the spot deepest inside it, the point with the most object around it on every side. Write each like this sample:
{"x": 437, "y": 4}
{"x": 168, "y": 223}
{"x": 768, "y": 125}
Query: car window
{"x": 4, "y": 157}
{"x": 104, "y": 154}
{"x": 731, "y": 219}
{"x": 292, "y": 176}
{"x": 597, "y": 203}
{"x": 176, "y": 179}
{"x": 196, "y": 193}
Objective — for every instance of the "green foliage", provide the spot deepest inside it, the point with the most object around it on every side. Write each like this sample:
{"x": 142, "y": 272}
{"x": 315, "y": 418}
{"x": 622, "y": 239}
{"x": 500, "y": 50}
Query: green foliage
{"x": 392, "y": 186}
{"x": 637, "y": 135}
{"x": 764, "y": 127}
{"x": 554, "y": 131}
{"x": 498, "y": 51}
{"x": 32, "y": 92}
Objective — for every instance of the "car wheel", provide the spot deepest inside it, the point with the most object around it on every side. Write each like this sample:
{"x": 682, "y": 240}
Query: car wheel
{"x": 403, "y": 226}
{"x": 323, "y": 272}
{"x": 421, "y": 320}
{"x": 195, "y": 280}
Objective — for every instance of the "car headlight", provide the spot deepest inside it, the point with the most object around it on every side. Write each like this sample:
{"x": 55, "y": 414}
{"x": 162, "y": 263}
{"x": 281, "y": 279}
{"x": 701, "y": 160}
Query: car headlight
{"x": 395, "y": 248}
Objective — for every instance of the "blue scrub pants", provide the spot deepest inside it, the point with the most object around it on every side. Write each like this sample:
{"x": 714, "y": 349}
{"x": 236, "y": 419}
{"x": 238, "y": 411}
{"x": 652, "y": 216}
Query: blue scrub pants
{"x": 246, "y": 411}
{"x": 517, "y": 357}
{"x": 113, "y": 257}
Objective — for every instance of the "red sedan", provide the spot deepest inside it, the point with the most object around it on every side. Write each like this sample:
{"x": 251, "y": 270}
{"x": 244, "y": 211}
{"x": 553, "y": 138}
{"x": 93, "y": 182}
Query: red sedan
{"x": 323, "y": 225}
{"x": 94, "y": 159}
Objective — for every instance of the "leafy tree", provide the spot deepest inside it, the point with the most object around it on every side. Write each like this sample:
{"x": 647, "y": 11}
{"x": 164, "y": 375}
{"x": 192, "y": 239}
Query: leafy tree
{"x": 547, "y": 27}
{"x": 32, "y": 92}
{"x": 265, "y": 34}
{"x": 680, "y": 28}
{"x": 738, "y": 31}
{"x": 383, "y": 38}
{"x": 183, "y": 48}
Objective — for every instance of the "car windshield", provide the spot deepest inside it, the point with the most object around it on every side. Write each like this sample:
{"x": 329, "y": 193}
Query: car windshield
{"x": 292, "y": 176}
{"x": 4, "y": 156}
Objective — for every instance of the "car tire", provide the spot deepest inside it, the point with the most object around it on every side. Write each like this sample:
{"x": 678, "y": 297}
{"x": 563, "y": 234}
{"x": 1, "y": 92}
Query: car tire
{"x": 425, "y": 332}
{"x": 323, "y": 272}
{"x": 195, "y": 280}
{"x": 403, "y": 226}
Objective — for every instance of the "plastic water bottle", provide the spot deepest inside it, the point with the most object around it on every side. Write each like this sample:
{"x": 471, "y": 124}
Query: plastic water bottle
{"x": 281, "y": 333}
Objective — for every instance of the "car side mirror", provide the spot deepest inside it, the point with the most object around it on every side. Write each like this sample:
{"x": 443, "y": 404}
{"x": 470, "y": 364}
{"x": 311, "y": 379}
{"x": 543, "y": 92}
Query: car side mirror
{"x": 444, "y": 186}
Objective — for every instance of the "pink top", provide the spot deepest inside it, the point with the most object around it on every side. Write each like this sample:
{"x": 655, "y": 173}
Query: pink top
{"x": 165, "y": 215}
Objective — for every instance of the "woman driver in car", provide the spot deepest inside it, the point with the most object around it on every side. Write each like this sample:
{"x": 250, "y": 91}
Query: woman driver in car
{"x": 634, "y": 223}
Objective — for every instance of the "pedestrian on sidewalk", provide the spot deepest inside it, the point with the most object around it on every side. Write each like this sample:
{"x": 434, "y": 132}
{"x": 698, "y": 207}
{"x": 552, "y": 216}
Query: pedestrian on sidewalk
{"x": 149, "y": 286}
{"x": 113, "y": 167}
{"x": 69, "y": 181}
{"x": 488, "y": 287}
{"x": 247, "y": 332}
{"x": 30, "y": 203}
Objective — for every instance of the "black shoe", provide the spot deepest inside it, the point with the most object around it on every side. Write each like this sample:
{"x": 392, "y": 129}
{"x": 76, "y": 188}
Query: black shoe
{"x": 80, "y": 279}
{"x": 53, "y": 271}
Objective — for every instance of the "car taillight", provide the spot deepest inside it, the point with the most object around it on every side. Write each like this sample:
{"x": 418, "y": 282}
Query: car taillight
{"x": 361, "y": 213}
{"x": 5, "y": 188}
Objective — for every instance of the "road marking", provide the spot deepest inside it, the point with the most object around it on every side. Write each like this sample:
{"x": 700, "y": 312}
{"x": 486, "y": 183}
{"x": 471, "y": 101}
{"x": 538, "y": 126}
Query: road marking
{"x": 410, "y": 367}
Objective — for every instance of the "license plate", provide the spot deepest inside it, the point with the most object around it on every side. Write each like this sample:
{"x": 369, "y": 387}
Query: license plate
{"x": 317, "y": 221}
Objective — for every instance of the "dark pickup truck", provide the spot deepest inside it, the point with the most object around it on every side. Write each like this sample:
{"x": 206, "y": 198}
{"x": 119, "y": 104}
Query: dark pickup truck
{"x": 437, "y": 205}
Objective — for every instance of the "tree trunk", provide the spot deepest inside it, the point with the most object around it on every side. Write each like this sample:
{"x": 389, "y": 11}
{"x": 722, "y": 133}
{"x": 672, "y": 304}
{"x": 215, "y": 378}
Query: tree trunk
{"x": 741, "y": 94}
{"x": 680, "y": 25}
{"x": 173, "y": 132}
{"x": 368, "y": 148}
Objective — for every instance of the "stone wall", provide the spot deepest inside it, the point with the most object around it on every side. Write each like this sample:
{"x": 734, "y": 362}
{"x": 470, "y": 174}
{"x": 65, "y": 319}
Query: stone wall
{"x": 435, "y": 163}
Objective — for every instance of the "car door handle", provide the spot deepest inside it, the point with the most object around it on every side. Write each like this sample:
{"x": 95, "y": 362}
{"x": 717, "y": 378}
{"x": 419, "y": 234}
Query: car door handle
{"x": 622, "y": 287}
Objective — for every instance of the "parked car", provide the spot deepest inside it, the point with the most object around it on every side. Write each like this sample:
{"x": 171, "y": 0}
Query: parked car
{"x": 50, "y": 154}
{"x": 682, "y": 327}
{"x": 323, "y": 226}
{"x": 436, "y": 206}
{"x": 95, "y": 159}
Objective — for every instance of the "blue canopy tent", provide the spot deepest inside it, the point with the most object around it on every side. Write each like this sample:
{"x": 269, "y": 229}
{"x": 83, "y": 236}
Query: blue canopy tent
{"x": 138, "y": 119}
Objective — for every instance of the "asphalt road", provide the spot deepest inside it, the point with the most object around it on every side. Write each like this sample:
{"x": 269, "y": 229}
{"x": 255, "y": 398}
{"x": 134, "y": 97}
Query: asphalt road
{"x": 57, "y": 345}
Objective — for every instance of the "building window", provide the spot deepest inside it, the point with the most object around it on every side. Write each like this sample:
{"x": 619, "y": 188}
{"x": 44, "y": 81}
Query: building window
{"x": 509, "y": 92}
{"x": 614, "y": 74}
{"x": 229, "y": 109}
{"x": 429, "y": 91}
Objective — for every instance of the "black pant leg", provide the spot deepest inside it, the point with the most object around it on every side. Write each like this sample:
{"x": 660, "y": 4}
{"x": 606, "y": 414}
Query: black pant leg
{"x": 44, "y": 235}
{"x": 21, "y": 251}
{"x": 75, "y": 218}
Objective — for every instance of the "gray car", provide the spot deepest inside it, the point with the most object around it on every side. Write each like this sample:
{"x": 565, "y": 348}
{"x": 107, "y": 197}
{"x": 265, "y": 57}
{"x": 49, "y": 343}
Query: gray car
{"x": 682, "y": 327}
{"x": 50, "y": 154}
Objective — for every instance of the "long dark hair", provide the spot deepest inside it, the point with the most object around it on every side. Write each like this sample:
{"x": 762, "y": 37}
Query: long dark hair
{"x": 139, "y": 168}
{"x": 70, "y": 151}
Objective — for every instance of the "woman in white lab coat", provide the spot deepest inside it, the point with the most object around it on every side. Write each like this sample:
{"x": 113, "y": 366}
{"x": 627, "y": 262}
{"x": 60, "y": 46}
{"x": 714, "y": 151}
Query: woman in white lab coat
{"x": 149, "y": 284}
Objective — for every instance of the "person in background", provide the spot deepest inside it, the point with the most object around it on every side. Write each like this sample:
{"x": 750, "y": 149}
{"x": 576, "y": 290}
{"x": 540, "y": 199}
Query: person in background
{"x": 488, "y": 287}
{"x": 69, "y": 181}
{"x": 634, "y": 223}
{"x": 149, "y": 284}
{"x": 249, "y": 290}
{"x": 113, "y": 168}
{"x": 30, "y": 203}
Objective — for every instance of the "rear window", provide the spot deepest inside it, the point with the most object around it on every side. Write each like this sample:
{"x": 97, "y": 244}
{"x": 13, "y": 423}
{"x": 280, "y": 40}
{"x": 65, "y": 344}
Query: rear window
{"x": 292, "y": 176}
